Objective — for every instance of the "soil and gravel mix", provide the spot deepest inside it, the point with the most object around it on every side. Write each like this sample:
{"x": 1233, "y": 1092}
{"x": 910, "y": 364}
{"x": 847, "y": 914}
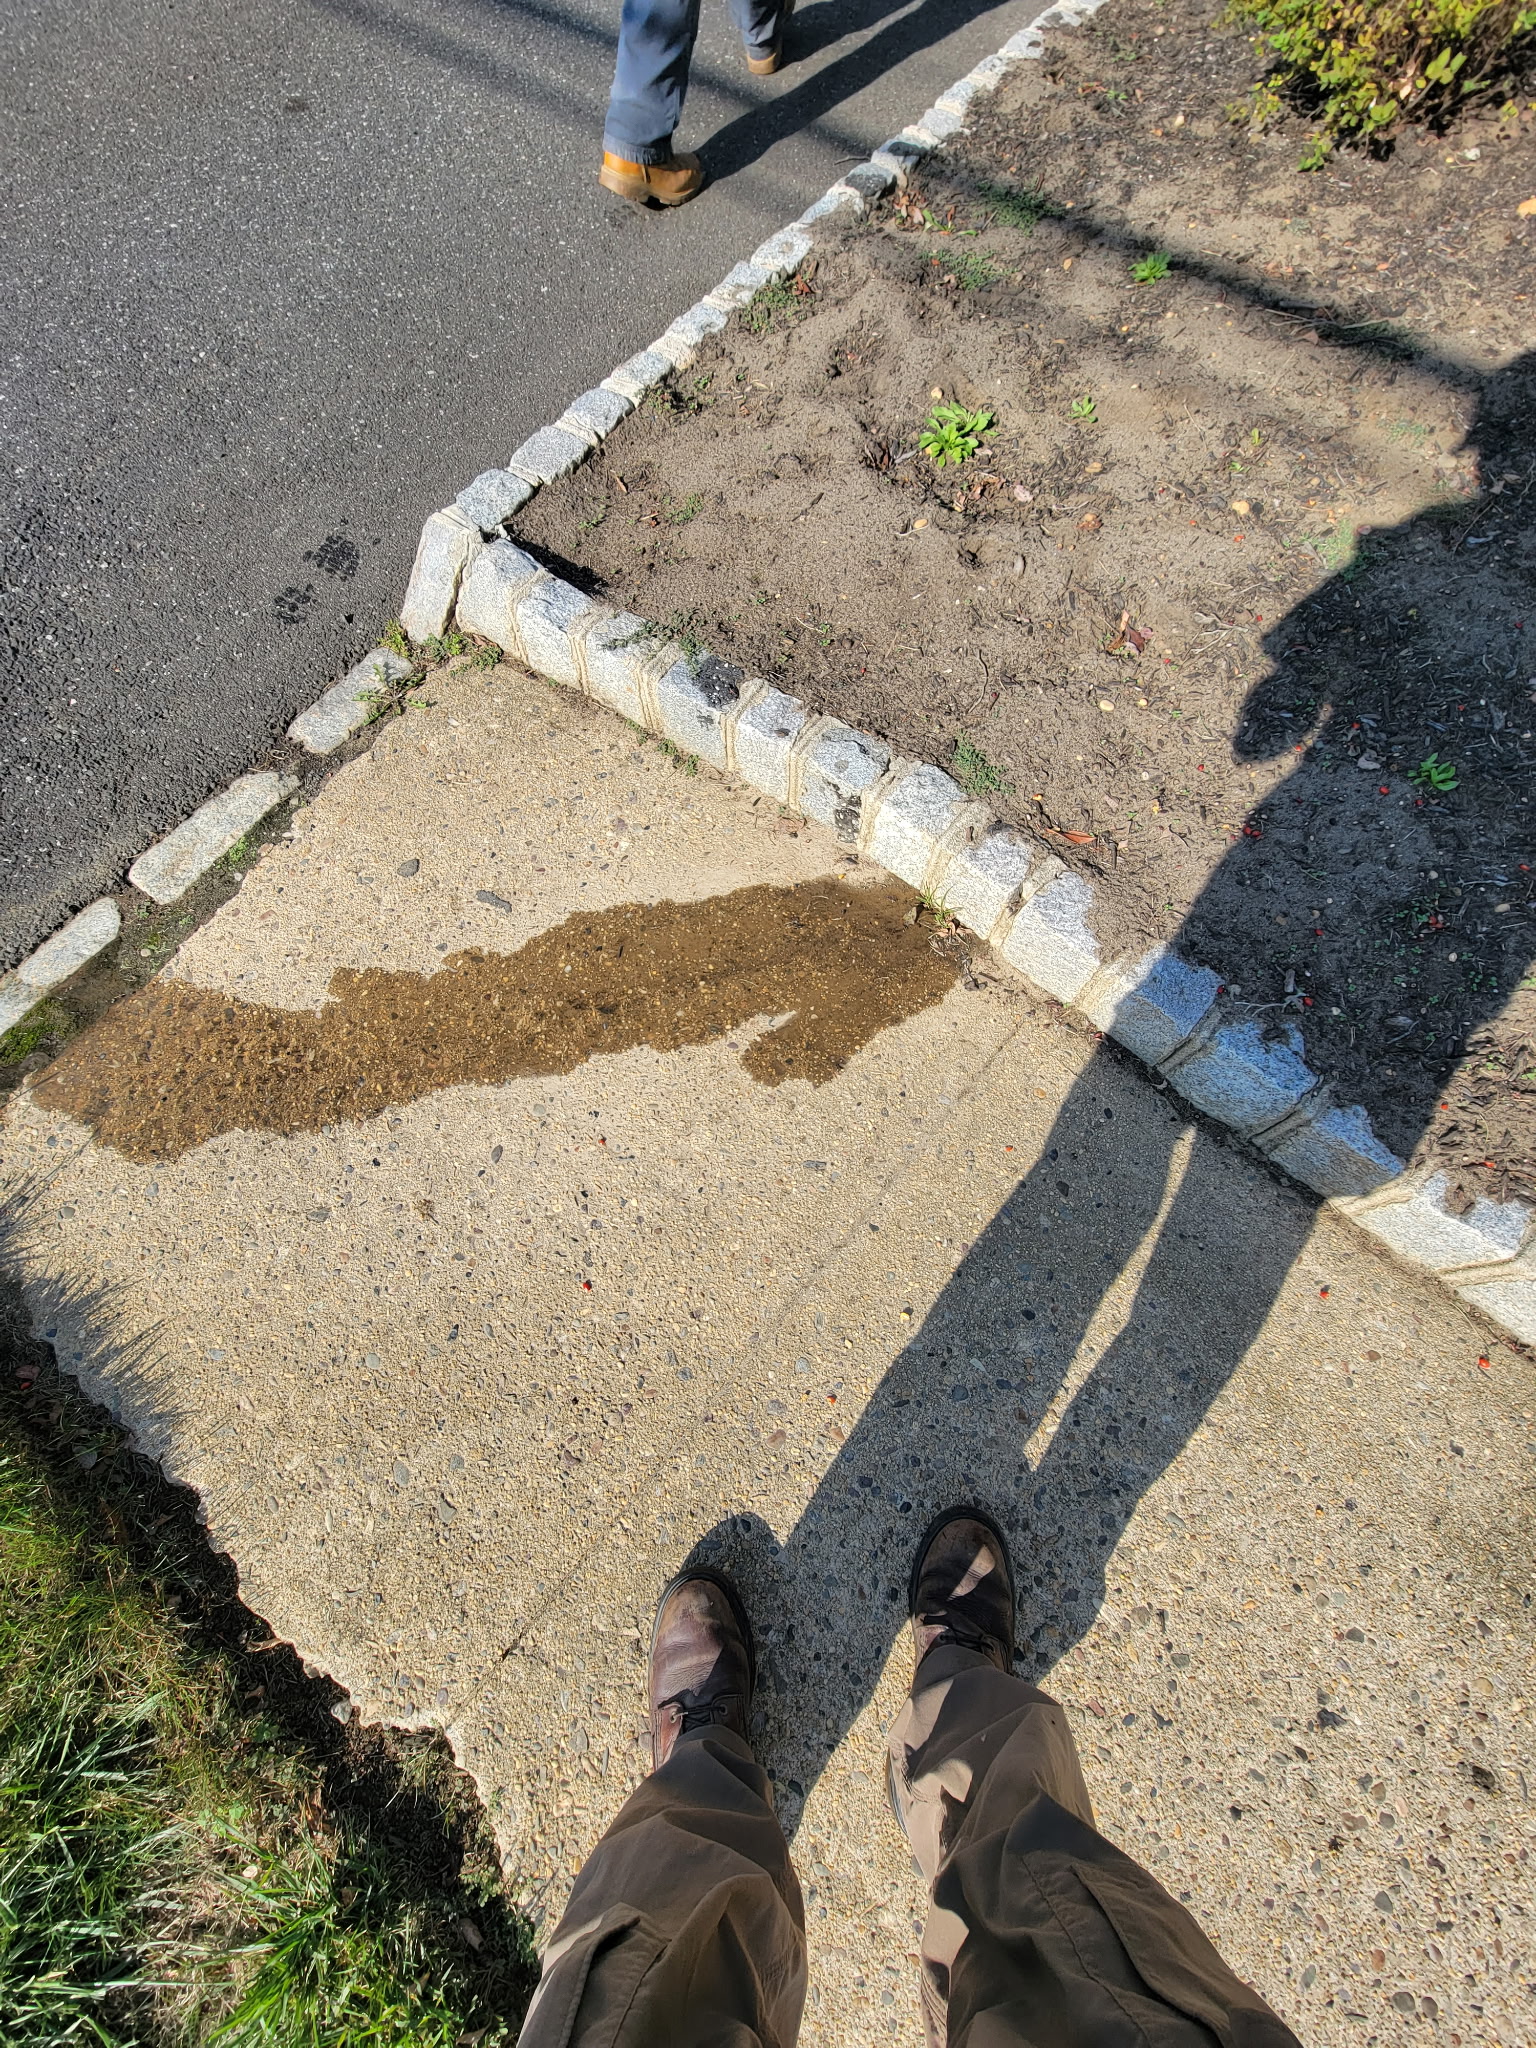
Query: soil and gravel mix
{"x": 1241, "y": 548}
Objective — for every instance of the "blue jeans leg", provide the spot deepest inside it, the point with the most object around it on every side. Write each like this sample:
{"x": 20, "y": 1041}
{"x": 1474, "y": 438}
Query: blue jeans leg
{"x": 650, "y": 78}
{"x": 656, "y": 39}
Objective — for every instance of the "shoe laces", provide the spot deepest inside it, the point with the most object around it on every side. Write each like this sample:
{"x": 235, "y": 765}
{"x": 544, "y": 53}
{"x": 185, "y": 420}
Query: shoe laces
{"x": 962, "y": 1636}
{"x": 693, "y": 1712}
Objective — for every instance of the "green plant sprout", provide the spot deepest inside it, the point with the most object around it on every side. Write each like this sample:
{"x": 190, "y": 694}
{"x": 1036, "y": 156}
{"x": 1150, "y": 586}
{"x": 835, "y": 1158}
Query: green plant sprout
{"x": 1433, "y": 773}
{"x": 1152, "y": 269}
{"x": 974, "y": 772}
{"x": 952, "y": 433}
{"x": 1085, "y": 410}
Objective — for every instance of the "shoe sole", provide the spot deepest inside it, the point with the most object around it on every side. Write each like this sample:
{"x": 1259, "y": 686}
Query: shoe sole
{"x": 642, "y": 195}
{"x": 969, "y": 1512}
{"x": 743, "y": 1619}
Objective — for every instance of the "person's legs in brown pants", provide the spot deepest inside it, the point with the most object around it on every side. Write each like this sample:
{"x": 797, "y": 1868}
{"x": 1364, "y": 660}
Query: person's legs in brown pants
{"x": 685, "y": 1928}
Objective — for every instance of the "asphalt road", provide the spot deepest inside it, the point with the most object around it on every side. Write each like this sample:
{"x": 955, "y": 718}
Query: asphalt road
{"x": 279, "y": 277}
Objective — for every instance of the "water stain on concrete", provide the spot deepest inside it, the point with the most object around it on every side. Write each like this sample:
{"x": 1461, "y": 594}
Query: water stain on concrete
{"x": 175, "y": 1065}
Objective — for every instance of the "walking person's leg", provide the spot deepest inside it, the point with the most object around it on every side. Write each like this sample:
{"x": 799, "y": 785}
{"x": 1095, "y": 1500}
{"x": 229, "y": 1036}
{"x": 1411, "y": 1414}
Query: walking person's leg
{"x": 760, "y": 24}
{"x": 1040, "y": 1931}
{"x": 650, "y": 82}
{"x": 685, "y": 1928}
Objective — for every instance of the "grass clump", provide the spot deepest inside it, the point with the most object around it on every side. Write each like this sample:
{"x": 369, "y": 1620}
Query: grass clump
{"x": 49, "y": 1022}
{"x": 1020, "y": 209}
{"x": 192, "y": 1849}
{"x": 971, "y": 768}
{"x": 1363, "y": 65}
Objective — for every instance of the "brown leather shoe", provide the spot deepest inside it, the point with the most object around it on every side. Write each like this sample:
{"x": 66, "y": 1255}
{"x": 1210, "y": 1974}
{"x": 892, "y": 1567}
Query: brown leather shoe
{"x": 961, "y": 1590}
{"x": 670, "y": 184}
{"x": 769, "y": 62}
{"x": 703, "y": 1666}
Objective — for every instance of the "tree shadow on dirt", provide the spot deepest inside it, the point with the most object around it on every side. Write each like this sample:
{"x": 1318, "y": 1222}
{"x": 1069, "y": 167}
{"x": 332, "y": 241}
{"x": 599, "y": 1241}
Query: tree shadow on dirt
{"x": 1366, "y": 666}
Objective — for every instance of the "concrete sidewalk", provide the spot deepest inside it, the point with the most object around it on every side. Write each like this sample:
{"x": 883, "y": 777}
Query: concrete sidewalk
{"x": 463, "y": 1383}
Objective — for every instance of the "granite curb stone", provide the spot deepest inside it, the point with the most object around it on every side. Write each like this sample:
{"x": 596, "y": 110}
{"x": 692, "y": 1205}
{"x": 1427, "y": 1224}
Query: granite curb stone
{"x": 495, "y": 580}
{"x": 1240, "y": 1077}
{"x": 838, "y": 775}
{"x": 168, "y": 870}
{"x": 346, "y": 707}
{"x": 912, "y": 821}
{"x": 492, "y": 499}
{"x": 1051, "y": 941}
{"x": 56, "y": 959}
{"x": 1153, "y": 1005}
{"x": 448, "y": 543}
{"x": 549, "y": 453}
{"x": 765, "y": 735}
{"x": 1426, "y": 1232}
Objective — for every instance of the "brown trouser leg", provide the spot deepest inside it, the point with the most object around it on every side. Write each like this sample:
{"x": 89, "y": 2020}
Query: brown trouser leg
{"x": 685, "y": 1928}
{"x": 1041, "y": 1935}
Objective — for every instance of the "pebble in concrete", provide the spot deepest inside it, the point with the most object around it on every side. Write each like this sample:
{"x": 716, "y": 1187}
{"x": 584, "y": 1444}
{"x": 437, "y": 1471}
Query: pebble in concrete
{"x": 170, "y": 868}
{"x": 57, "y": 959}
{"x": 347, "y": 707}
{"x": 448, "y": 541}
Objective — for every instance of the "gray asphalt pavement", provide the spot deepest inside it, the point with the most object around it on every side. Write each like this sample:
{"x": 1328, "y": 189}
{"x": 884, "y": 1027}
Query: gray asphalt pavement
{"x": 279, "y": 277}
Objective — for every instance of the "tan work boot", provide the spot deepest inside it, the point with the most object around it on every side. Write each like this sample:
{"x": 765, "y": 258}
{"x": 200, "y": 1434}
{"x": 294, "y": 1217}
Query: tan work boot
{"x": 769, "y": 62}
{"x": 670, "y": 184}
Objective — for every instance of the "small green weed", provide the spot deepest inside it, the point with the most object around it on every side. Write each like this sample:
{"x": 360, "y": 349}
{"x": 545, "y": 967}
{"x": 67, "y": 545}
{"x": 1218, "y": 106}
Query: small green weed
{"x": 394, "y": 638}
{"x": 689, "y": 763}
{"x": 1084, "y": 410}
{"x": 789, "y": 299}
{"x": 679, "y": 513}
{"x": 1151, "y": 269}
{"x": 952, "y": 433}
{"x": 1021, "y": 210}
{"x": 681, "y": 626}
{"x": 968, "y": 269}
{"x": 446, "y": 646}
{"x": 595, "y": 519}
{"x": 485, "y": 657}
{"x": 1433, "y": 773}
{"x": 974, "y": 772}
{"x": 240, "y": 855}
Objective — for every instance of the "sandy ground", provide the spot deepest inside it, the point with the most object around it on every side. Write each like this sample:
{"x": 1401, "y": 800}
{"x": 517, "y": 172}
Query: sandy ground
{"x": 463, "y": 1384}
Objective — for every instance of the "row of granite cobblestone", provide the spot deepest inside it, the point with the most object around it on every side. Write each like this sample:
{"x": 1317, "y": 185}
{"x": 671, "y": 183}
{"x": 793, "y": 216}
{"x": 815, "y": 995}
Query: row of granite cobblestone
{"x": 908, "y": 816}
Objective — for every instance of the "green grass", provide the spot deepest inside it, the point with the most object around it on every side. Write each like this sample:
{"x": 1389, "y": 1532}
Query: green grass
{"x": 1021, "y": 210}
{"x": 678, "y": 512}
{"x": 394, "y": 638}
{"x": 968, "y": 268}
{"x": 973, "y": 771}
{"x": 50, "y": 1020}
{"x": 149, "y": 1758}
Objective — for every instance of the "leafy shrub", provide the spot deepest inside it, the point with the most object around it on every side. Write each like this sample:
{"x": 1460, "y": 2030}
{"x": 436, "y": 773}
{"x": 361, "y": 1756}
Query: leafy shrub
{"x": 1363, "y": 64}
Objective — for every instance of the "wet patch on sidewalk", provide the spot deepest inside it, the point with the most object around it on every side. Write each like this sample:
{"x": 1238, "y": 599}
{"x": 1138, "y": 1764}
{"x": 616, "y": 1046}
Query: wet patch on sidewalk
{"x": 176, "y": 1065}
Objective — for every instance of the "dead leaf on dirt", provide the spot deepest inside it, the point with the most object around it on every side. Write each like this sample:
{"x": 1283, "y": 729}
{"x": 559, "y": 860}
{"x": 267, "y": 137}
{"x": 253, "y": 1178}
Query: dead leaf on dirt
{"x": 1090, "y": 523}
{"x": 1526, "y": 208}
{"x": 1079, "y": 838}
{"x": 1138, "y": 638}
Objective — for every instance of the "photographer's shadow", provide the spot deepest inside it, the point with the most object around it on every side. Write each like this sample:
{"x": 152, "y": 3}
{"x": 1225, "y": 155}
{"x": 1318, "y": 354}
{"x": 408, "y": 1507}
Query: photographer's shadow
{"x": 993, "y": 1359}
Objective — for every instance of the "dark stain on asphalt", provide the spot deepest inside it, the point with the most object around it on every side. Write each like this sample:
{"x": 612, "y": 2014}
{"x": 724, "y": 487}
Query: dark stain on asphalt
{"x": 174, "y": 1065}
